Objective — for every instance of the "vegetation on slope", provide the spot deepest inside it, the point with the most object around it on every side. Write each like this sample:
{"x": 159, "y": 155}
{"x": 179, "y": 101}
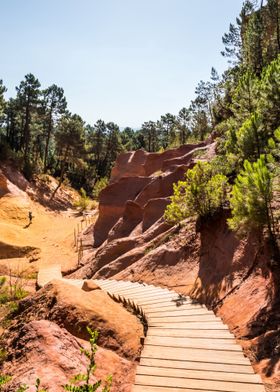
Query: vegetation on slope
{"x": 244, "y": 112}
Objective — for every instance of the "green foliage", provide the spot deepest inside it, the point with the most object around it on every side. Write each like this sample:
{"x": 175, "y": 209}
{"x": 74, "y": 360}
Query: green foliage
{"x": 11, "y": 292}
{"x": 202, "y": 193}
{"x": 269, "y": 94}
{"x": 248, "y": 138}
{"x": 83, "y": 380}
{"x": 4, "y": 379}
{"x": 84, "y": 200}
{"x": 3, "y": 354}
{"x": 2, "y": 281}
{"x": 22, "y": 388}
{"x": 99, "y": 186}
{"x": 251, "y": 197}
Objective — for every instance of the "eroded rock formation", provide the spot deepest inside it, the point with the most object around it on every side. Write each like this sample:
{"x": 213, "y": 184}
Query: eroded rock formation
{"x": 203, "y": 259}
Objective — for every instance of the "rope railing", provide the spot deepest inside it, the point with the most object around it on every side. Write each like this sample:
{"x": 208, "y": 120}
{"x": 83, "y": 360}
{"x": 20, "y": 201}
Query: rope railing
{"x": 86, "y": 222}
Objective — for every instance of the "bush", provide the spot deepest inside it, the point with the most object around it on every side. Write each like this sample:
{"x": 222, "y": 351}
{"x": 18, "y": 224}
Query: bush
{"x": 99, "y": 186}
{"x": 83, "y": 201}
{"x": 201, "y": 194}
{"x": 251, "y": 197}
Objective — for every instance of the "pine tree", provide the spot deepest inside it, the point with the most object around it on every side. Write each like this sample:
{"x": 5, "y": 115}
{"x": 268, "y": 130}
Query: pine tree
{"x": 2, "y": 101}
{"x": 251, "y": 198}
{"x": 273, "y": 44}
{"x": 70, "y": 144}
{"x": 250, "y": 141}
{"x": 244, "y": 100}
{"x": 54, "y": 105}
{"x": 150, "y": 134}
{"x": 28, "y": 94}
{"x": 167, "y": 123}
{"x": 268, "y": 104}
{"x": 253, "y": 43}
{"x": 183, "y": 124}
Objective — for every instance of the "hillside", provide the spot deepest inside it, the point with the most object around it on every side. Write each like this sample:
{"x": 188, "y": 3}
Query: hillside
{"x": 24, "y": 246}
{"x": 203, "y": 259}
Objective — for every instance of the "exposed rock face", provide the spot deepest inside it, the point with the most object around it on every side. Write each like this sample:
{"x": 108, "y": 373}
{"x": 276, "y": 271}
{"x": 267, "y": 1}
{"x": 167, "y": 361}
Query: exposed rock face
{"x": 74, "y": 309}
{"x": 112, "y": 204}
{"x": 42, "y": 349}
{"x": 137, "y": 178}
{"x": 141, "y": 163}
{"x": 203, "y": 259}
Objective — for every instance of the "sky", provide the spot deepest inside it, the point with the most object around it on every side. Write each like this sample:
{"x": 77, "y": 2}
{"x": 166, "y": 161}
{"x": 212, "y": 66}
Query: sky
{"x": 126, "y": 61}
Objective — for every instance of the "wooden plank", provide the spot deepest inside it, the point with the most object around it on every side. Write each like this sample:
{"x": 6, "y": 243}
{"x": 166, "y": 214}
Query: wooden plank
{"x": 148, "y": 388}
{"x": 190, "y": 365}
{"x": 200, "y": 355}
{"x": 218, "y": 344}
{"x": 199, "y": 374}
{"x": 178, "y": 312}
{"x": 158, "y": 300}
{"x": 142, "y": 295}
{"x": 142, "y": 289}
{"x": 117, "y": 285}
{"x": 155, "y": 295}
{"x": 185, "y": 318}
{"x": 190, "y": 325}
{"x": 198, "y": 384}
{"x": 113, "y": 283}
{"x": 48, "y": 273}
{"x": 171, "y": 305}
{"x": 190, "y": 333}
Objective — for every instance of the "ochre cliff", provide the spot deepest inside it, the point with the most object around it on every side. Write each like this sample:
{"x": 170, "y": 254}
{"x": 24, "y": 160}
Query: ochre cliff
{"x": 203, "y": 259}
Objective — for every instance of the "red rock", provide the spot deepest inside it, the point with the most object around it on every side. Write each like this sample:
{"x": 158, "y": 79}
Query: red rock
{"x": 155, "y": 161}
{"x": 130, "y": 164}
{"x": 153, "y": 211}
{"x": 112, "y": 204}
{"x": 74, "y": 309}
{"x": 41, "y": 349}
{"x": 131, "y": 217}
{"x": 161, "y": 186}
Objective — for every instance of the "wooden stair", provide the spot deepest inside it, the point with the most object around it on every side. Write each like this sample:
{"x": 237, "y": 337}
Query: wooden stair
{"x": 187, "y": 348}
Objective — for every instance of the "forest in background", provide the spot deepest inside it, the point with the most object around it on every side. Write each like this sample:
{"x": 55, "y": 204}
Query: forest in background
{"x": 241, "y": 107}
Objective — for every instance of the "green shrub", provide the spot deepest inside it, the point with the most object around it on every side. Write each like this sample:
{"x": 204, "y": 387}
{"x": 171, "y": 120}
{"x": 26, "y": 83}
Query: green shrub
{"x": 4, "y": 379}
{"x": 202, "y": 193}
{"x": 99, "y": 186}
{"x": 2, "y": 281}
{"x": 83, "y": 201}
{"x": 251, "y": 197}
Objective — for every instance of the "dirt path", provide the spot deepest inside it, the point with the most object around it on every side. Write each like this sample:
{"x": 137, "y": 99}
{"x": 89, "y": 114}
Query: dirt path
{"x": 50, "y": 232}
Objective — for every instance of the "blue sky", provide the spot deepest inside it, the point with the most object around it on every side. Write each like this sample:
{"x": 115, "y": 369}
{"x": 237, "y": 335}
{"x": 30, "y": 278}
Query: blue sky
{"x": 126, "y": 61}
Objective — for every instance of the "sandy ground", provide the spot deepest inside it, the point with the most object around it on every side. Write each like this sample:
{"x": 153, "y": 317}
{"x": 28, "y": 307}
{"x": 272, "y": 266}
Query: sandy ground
{"x": 52, "y": 233}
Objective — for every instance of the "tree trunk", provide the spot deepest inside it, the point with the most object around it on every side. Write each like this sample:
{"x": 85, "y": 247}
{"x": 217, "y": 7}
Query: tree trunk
{"x": 26, "y": 130}
{"x": 63, "y": 167}
{"x": 48, "y": 142}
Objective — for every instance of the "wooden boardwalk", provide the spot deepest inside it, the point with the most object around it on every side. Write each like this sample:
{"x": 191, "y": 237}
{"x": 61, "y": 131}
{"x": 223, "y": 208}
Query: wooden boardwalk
{"x": 187, "y": 348}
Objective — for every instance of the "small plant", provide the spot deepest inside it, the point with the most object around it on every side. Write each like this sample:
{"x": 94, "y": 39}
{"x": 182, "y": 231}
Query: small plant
{"x": 22, "y": 388}
{"x": 2, "y": 281}
{"x": 4, "y": 379}
{"x": 83, "y": 201}
{"x": 3, "y": 354}
{"x": 37, "y": 386}
{"x": 84, "y": 379}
